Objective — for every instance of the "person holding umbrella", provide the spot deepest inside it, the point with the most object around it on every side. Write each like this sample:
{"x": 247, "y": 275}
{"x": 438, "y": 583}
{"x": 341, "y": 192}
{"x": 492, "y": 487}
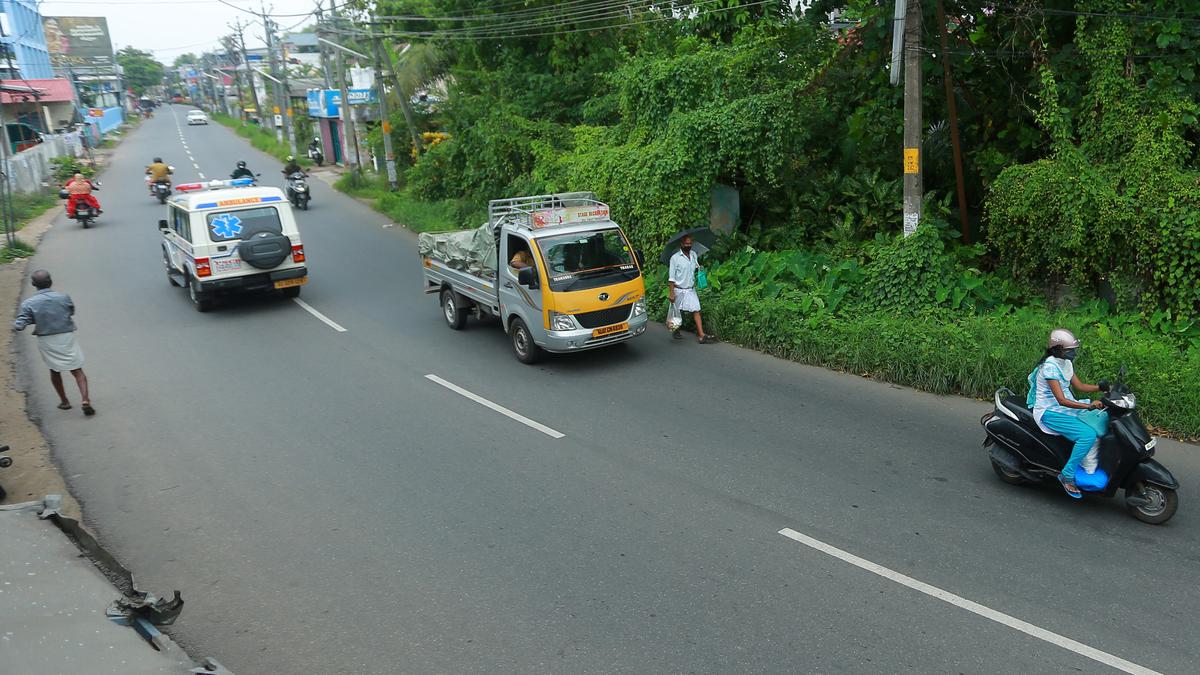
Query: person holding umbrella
{"x": 682, "y": 280}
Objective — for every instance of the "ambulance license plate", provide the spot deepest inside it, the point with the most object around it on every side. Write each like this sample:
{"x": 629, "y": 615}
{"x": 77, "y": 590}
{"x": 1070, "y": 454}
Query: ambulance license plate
{"x": 285, "y": 283}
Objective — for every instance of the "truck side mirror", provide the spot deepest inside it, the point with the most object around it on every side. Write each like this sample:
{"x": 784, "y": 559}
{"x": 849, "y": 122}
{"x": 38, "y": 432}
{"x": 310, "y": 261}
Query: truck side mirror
{"x": 641, "y": 257}
{"x": 162, "y": 225}
{"x": 527, "y": 276}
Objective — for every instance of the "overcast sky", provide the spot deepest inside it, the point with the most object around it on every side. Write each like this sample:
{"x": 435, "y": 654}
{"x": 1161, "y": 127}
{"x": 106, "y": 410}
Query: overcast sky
{"x": 173, "y": 27}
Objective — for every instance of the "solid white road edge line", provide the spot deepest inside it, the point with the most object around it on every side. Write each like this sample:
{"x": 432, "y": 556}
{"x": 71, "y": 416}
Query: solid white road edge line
{"x": 973, "y": 607}
{"x": 324, "y": 319}
{"x": 495, "y": 406}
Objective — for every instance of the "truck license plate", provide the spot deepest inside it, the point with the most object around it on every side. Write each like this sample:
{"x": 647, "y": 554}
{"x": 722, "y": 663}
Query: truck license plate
{"x": 609, "y": 330}
{"x": 299, "y": 281}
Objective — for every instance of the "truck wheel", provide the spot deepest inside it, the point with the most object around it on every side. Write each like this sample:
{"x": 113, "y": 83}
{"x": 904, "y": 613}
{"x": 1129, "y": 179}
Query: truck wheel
{"x": 522, "y": 341}
{"x": 202, "y": 301}
{"x": 455, "y": 317}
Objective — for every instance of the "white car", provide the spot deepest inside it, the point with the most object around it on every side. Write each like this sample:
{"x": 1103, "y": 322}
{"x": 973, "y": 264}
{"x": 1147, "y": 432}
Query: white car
{"x": 229, "y": 236}
{"x": 196, "y": 117}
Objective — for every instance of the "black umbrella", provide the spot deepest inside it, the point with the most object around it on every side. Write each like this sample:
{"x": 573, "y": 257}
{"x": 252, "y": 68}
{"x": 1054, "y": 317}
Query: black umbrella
{"x": 703, "y": 239}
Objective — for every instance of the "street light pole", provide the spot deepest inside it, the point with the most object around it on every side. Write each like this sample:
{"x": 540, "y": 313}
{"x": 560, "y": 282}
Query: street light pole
{"x": 389, "y": 153}
{"x": 914, "y": 187}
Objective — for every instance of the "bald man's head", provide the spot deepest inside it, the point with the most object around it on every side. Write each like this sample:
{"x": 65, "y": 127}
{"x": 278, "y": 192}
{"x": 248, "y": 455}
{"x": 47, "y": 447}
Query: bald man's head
{"x": 41, "y": 279}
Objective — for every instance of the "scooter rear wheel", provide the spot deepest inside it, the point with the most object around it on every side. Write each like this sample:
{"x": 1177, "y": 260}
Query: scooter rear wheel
{"x": 1007, "y": 476}
{"x": 1155, "y": 504}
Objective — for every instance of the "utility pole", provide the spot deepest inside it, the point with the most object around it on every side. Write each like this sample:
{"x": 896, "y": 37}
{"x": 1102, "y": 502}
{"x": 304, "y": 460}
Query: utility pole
{"x": 288, "y": 123}
{"x": 410, "y": 119}
{"x": 321, "y": 46}
{"x": 231, "y": 48}
{"x": 269, "y": 38}
{"x": 914, "y": 187}
{"x": 350, "y": 147}
{"x": 239, "y": 27}
{"x": 952, "y": 106}
{"x": 388, "y": 153}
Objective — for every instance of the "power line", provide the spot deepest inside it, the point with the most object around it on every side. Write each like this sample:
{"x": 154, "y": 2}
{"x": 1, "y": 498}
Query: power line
{"x": 517, "y": 33}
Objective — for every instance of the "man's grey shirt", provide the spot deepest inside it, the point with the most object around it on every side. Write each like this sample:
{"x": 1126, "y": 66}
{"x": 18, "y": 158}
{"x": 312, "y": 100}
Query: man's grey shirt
{"x": 50, "y": 311}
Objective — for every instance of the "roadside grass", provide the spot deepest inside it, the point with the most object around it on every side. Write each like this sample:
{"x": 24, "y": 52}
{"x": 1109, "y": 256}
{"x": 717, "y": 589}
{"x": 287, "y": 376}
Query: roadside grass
{"x": 18, "y": 250}
{"x": 403, "y": 208}
{"x": 260, "y": 139}
{"x": 948, "y": 353}
{"x": 26, "y": 207}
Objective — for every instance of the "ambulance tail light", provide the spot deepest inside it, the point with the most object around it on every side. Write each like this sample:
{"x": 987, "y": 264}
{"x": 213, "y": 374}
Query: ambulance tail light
{"x": 203, "y": 269}
{"x": 297, "y": 252}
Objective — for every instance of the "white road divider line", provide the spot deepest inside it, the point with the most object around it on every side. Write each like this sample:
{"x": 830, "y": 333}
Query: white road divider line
{"x": 202, "y": 177}
{"x": 495, "y": 406}
{"x": 973, "y": 607}
{"x": 324, "y": 319}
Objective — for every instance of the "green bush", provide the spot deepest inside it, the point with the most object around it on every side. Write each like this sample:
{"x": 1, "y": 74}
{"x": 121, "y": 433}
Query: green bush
{"x": 64, "y": 168}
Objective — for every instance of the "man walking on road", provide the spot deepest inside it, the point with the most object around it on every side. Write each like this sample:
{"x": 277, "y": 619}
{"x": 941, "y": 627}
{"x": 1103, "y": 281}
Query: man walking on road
{"x": 52, "y": 313}
{"x": 683, "y": 287}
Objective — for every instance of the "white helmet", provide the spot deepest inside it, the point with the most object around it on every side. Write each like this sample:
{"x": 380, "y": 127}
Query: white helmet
{"x": 1061, "y": 337}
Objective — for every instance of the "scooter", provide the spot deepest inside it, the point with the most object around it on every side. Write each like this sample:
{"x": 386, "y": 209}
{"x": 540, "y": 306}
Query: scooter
{"x": 1021, "y": 453}
{"x": 315, "y": 155}
{"x": 5, "y": 462}
{"x": 297, "y": 190}
{"x": 84, "y": 214}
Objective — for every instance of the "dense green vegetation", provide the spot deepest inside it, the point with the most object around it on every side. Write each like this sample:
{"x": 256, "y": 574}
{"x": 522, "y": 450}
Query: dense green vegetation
{"x": 1079, "y": 127}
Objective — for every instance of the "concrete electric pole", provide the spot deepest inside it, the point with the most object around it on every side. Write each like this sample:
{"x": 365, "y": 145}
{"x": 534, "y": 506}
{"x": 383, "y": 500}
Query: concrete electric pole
{"x": 389, "y": 154}
{"x": 914, "y": 186}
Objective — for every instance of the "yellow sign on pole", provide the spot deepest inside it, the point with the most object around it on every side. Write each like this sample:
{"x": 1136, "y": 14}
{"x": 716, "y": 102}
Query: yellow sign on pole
{"x": 912, "y": 160}
{"x": 276, "y": 110}
{"x": 289, "y": 112}
{"x": 387, "y": 127}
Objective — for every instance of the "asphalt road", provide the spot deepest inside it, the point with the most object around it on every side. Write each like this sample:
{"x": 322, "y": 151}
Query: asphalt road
{"x": 326, "y": 508}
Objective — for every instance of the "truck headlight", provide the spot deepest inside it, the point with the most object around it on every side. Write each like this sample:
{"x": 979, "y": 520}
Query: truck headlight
{"x": 639, "y": 308}
{"x": 561, "y": 321}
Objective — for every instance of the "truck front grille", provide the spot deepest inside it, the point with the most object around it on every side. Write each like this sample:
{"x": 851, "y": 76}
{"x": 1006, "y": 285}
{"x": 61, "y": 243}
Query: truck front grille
{"x": 604, "y": 317}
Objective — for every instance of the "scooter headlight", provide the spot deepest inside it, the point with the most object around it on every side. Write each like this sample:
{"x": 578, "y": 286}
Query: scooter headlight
{"x": 1128, "y": 402}
{"x": 561, "y": 321}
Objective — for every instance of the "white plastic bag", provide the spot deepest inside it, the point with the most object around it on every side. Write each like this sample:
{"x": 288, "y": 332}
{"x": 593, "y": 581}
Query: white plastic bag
{"x": 1092, "y": 461}
{"x": 674, "y": 317}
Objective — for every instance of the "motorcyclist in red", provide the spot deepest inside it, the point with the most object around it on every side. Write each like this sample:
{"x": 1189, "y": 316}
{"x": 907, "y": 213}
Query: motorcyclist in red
{"x": 80, "y": 189}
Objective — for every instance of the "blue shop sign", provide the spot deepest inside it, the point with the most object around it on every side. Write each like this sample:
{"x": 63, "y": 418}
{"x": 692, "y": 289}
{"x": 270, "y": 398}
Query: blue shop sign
{"x": 327, "y": 102}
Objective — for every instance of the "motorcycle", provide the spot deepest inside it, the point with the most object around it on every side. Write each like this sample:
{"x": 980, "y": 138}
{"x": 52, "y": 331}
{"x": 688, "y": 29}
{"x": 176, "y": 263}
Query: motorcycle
{"x": 84, "y": 214}
{"x": 1021, "y": 453}
{"x": 5, "y": 462}
{"x": 297, "y": 190}
{"x": 315, "y": 155}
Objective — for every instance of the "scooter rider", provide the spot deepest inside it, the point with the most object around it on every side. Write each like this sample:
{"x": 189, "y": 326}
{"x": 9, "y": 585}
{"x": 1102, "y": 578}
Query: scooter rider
{"x": 158, "y": 172}
{"x": 80, "y": 189}
{"x": 241, "y": 171}
{"x": 1056, "y": 409}
{"x": 292, "y": 167}
{"x": 315, "y": 146}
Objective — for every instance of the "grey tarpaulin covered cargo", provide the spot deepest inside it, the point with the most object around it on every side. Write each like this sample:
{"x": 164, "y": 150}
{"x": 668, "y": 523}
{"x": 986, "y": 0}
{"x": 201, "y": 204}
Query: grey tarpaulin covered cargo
{"x": 472, "y": 251}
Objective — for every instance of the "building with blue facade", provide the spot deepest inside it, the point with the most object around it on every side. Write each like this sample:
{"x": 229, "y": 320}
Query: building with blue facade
{"x": 25, "y": 41}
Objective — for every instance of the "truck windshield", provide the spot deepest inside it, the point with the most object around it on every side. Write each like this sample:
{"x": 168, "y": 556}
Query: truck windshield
{"x": 586, "y": 260}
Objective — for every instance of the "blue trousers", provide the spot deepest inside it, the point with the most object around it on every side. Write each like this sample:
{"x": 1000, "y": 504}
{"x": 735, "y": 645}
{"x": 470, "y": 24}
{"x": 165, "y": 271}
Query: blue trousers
{"x": 1075, "y": 429}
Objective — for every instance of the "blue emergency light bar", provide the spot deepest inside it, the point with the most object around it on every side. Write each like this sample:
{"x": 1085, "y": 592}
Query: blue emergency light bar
{"x": 213, "y": 184}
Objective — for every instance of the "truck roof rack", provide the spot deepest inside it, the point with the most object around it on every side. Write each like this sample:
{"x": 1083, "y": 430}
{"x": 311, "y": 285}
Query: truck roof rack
{"x": 542, "y": 211}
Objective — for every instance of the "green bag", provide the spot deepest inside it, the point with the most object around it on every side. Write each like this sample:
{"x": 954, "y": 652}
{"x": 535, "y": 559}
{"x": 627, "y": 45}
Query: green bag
{"x": 701, "y": 279}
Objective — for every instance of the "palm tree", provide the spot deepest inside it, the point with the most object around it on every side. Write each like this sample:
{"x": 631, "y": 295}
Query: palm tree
{"x": 414, "y": 66}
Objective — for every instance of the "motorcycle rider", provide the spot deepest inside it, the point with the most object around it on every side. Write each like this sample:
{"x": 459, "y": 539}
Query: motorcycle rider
{"x": 1056, "y": 409}
{"x": 80, "y": 189}
{"x": 315, "y": 146}
{"x": 158, "y": 172}
{"x": 292, "y": 167}
{"x": 241, "y": 171}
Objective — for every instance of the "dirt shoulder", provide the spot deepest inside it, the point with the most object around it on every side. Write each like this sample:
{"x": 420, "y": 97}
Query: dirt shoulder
{"x": 33, "y": 473}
